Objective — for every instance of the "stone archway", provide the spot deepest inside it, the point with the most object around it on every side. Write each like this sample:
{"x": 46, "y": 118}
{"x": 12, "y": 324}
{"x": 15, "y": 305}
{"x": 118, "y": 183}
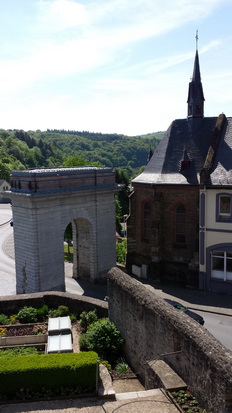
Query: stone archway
{"x": 44, "y": 201}
{"x": 82, "y": 249}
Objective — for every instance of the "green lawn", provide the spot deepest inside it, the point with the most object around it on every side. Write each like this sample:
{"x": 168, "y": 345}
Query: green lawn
{"x": 68, "y": 256}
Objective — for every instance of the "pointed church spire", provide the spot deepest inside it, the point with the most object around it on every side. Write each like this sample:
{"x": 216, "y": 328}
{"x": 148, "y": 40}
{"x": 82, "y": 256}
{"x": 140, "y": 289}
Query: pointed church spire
{"x": 195, "y": 94}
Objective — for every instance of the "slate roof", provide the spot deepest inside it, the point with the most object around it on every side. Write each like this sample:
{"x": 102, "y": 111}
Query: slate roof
{"x": 191, "y": 136}
{"x": 221, "y": 173}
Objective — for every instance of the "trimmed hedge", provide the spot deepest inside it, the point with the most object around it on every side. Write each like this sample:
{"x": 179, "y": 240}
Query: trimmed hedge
{"x": 51, "y": 371}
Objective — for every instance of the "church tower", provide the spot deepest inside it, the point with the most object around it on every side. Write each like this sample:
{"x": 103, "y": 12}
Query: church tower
{"x": 195, "y": 94}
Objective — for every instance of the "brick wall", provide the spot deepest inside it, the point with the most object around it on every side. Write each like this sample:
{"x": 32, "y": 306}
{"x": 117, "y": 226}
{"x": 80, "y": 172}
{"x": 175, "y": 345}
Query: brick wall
{"x": 152, "y": 327}
{"x": 165, "y": 258}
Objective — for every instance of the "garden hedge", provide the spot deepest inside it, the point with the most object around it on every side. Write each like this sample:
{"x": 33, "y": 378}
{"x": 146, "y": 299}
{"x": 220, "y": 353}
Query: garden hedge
{"x": 52, "y": 371}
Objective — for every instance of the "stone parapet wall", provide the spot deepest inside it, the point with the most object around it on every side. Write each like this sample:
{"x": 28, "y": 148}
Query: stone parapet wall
{"x": 151, "y": 328}
{"x": 76, "y": 304}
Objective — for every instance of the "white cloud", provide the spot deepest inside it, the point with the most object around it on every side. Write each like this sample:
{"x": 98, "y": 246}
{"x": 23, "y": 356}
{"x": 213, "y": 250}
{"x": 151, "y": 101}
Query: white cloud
{"x": 58, "y": 15}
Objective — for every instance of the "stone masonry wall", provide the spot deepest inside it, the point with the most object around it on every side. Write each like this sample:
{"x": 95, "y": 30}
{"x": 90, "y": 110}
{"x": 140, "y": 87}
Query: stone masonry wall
{"x": 76, "y": 304}
{"x": 151, "y": 328}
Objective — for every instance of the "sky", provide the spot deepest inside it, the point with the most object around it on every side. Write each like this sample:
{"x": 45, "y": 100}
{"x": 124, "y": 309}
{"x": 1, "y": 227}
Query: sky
{"x": 111, "y": 66}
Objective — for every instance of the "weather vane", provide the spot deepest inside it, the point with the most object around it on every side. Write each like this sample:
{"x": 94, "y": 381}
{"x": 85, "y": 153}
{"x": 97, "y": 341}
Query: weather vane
{"x": 197, "y": 40}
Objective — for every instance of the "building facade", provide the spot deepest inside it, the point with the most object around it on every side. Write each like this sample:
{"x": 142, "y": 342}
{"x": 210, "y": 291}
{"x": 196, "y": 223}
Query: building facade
{"x": 177, "y": 226}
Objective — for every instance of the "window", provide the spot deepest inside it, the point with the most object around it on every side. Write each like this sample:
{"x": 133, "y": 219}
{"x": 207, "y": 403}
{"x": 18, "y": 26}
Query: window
{"x": 180, "y": 224}
{"x": 146, "y": 221}
{"x": 221, "y": 264}
{"x": 185, "y": 165}
{"x": 224, "y": 206}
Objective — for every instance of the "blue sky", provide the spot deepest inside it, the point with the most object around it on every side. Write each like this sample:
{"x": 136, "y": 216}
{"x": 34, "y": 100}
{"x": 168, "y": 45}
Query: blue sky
{"x": 111, "y": 66}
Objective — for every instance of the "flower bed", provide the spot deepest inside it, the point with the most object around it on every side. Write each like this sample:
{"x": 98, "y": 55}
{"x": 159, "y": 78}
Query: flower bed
{"x": 23, "y": 334}
{"x": 186, "y": 402}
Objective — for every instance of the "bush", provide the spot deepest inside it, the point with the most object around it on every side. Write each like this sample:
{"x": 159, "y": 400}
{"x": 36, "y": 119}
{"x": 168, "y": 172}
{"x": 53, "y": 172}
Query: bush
{"x": 41, "y": 372}
{"x": 4, "y": 319}
{"x": 13, "y": 319}
{"x": 28, "y": 315}
{"x": 18, "y": 351}
{"x": 73, "y": 318}
{"x": 61, "y": 311}
{"x": 86, "y": 319}
{"x": 42, "y": 312}
{"x": 121, "y": 251}
{"x": 104, "y": 338}
{"x": 122, "y": 367}
{"x": 83, "y": 343}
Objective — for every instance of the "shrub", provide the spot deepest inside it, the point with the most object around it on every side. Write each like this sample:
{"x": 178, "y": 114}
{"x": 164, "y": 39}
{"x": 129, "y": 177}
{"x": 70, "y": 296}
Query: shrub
{"x": 13, "y": 319}
{"x": 4, "y": 319}
{"x": 27, "y": 315}
{"x": 122, "y": 367}
{"x": 104, "y": 338}
{"x": 86, "y": 319}
{"x": 38, "y": 373}
{"x": 106, "y": 363}
{"x": 42, "y": 312}
{"x": 83, "y": 343}
{"x": 121, "y": 251}
{"x": 61, "y": 311}
{"x": 73, "y": 318}
{"x": 18, "y": 351}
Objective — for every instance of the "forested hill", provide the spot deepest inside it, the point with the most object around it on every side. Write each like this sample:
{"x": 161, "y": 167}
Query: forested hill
{"x": 24, "y": 150}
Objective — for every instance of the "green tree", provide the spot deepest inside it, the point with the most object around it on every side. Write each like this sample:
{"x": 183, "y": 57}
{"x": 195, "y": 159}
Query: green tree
{"x": 121, "y": 251}
{"x": 4, "y": 172}
{"x": 74, "y": 161}
{"x": 68, "y": 236}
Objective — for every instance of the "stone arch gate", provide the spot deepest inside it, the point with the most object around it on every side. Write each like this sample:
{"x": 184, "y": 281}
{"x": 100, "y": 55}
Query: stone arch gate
{"x": 44, "y": 201}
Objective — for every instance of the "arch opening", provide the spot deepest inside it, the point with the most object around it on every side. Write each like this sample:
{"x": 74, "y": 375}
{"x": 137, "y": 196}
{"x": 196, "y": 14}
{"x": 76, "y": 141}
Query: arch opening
{"x": 77, "y": 249}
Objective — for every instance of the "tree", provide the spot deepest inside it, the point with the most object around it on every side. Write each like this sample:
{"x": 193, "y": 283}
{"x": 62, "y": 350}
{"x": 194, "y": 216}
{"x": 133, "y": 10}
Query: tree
{"x": 75, "y": 161}
{"x": 4, "y": 172}
{"x": 68, "y": 236}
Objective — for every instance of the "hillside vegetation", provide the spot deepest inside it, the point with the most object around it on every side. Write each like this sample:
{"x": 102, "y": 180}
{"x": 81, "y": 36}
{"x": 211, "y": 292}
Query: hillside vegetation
{"x": 55, "y": 148}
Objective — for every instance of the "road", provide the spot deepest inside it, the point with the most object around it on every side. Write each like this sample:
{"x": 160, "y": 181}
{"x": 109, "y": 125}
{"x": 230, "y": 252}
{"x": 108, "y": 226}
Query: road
{"x": 219, "y": 326}
{"x": 7, "y": 263}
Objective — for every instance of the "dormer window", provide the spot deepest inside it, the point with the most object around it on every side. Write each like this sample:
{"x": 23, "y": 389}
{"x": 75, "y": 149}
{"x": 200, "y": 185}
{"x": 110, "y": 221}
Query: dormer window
{"x": 185, "y": 165}
{"x": 185, "y": 162}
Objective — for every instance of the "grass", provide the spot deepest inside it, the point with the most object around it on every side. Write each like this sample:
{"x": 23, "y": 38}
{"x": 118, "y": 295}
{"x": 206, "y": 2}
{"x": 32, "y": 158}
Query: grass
{"x": 68, "y": 257}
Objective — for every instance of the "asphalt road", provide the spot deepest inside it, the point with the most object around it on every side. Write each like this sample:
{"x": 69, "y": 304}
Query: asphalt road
{"x": 7, "y": 263}
{"x": 219, "y": 326}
